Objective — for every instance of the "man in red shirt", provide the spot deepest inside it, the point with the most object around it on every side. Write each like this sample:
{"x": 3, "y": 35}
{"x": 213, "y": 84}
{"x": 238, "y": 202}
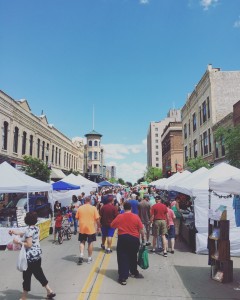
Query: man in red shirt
{"x": 129, "y": 229}
{"x": 108, "y": 213}
{"x": 159, "y": 218}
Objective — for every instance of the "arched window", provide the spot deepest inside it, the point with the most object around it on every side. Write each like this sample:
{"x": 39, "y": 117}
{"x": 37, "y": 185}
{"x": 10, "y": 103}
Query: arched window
{"x": 15, "y": 140}
{"x": 38, "y": 148}
{"x": 53, "y": 154}
{"x": 90, "y": 143}
{"x": 31, "y": 145}
{"x": 5, "y": 135}
{"x": 95, "y": 143}
{"x": 43, "y": 150}
{"x": 24, "y": 141}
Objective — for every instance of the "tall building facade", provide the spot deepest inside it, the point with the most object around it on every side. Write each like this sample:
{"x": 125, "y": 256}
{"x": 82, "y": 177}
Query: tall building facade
{"x": 172, "y": 151}
{"x": 211, "y": 100}
{"x": 94, "y": 160}
{"x": 24, "y": 133}
{"x": 154, "y": 144}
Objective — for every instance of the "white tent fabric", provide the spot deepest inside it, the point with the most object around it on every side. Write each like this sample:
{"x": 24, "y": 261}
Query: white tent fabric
{"x": 177, "y": 176}
{"x": 183, "y": 185}
{"x": 229, "y": 184}
{"x": 161, "y": 184}
{"x": 14, "y": 181}
{"x": 199, "y": 190}
{"x": 57, "y": 174}
{"x": 86, "y": 186}
{"x": 157, "y": 182}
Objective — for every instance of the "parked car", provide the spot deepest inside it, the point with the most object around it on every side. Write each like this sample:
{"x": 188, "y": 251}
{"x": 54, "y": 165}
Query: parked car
{"x": 37, "y": 203}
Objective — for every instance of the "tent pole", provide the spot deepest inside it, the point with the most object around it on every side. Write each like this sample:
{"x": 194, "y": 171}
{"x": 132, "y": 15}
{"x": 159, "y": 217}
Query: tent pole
{"x": 209, "y": 198}
{"x": 27, "y": 202}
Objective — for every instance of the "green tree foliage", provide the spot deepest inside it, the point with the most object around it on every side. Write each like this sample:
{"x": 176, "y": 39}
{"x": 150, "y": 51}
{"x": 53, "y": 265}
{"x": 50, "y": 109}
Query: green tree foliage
{"x": 152, "y": 174}
{"x": 230, "y": 137}
{"x": 121, "y": 181}
{"x": 194, "y": 164}
{"x": 112, "y": 180}
{"x": 128, "y": 184}
{"x": 36, "y": 168}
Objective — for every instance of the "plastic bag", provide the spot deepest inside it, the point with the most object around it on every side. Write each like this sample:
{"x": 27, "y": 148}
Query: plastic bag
{"x": 22, "y": 260}
{"x": 143, "y": 260}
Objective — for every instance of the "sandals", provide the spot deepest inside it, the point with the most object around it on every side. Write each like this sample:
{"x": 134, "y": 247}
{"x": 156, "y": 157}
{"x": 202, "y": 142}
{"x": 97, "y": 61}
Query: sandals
{"x": 51, "y": 295}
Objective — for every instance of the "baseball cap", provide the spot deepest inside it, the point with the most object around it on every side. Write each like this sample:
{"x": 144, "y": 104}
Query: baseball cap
{"x": 158, "y": 197}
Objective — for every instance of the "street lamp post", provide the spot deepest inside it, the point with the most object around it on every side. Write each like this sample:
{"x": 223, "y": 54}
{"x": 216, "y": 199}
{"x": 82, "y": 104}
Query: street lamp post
{"x": 176, "y": 165}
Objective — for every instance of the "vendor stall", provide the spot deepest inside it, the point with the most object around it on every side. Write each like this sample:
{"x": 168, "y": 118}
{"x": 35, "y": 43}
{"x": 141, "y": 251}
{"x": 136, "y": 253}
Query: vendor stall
{"x": 24, "y": 189}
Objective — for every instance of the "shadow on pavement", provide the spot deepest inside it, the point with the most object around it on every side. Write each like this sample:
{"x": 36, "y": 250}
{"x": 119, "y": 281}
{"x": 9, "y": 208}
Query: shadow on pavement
{"x": 110, "y": 273}
{"x": 16, "y": 294}
{"x": 199, "y": 284}
{"x": 72, "y": 258}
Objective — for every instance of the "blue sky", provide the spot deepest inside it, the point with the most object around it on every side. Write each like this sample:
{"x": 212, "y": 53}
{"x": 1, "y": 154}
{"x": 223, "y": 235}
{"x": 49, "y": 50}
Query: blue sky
{"x": 132, "y": 60}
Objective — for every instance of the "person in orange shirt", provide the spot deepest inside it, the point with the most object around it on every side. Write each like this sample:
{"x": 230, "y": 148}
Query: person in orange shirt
{"x": 87, "y": 216}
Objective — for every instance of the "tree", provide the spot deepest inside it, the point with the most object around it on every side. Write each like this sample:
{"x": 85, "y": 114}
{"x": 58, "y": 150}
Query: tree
{"x": 121, "y": 181}
{"x": 152, "y": 174}
{"x": 36, "y": 168}
{"x": 194, "y": 164}
{"x": 230, "y": 138}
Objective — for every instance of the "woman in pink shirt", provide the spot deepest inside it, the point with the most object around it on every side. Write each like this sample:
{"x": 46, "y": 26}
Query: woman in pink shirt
{"x": 171, "y": 230}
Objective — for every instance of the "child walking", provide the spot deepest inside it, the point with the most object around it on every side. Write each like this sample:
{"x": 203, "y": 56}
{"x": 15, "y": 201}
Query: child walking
{"x": 58, "y": 224}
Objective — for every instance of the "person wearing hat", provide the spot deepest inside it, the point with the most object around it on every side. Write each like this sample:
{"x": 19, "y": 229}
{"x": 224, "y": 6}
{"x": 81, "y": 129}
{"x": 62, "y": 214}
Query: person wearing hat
{"x": 159, "y": 218}
{"x": 144, "y": 214}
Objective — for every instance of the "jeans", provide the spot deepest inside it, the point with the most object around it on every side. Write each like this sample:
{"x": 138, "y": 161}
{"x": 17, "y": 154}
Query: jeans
{"x": 127, "y": 251}
{"x": 35, "y": 269}
{"x": 75, "y": 222}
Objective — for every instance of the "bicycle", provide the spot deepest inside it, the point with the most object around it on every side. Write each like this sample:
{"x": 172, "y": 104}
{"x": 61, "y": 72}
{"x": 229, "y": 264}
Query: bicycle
{"x": 64, "y": 231}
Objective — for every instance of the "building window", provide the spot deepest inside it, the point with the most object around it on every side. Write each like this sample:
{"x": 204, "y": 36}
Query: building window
{"x": 205, "y": 142}
{"x": 156, "y": 152}
{"x": 15, "y": 140}
{"x": 56, "y": 155}
{"x": 204, "y": 111}
{"x": 185, "y": 130}
{"x": 47, "y": 153}
{"x": 95, "y": 143}
{"x": 53, "y": 154}
{"x": 38, "y": 148}
{"x": 95, "y": 155}
{"x": 156, "y": 141}
{"x": 208, "y": 108}
{"x": 190, "y": 151}
{"x": 201, "y": 144}
{"x": 195, "y": 148}
{"x": 5, "y": 135}
{"x": 200, "y": 116}
{"x": 59, "y": 157}
{"x": 90, "y": 143}
{"x": 194, "y": 122}
{"x": 157, "y": 159}
{"x": 186, "y": 153}
{"x": 156, "y": 147}
{"x": 189, "y": 128}
{"x": 95, "y": 168}
{"x": 31, "y": 145}
{"x": 156, "y": 129}
{"x": 209, "y": 140}
{"x": 216, "y": 149}
{"x": 156, "y": 134}
{"x": 43, "y": 150}
{"x": 24, "y": 141}
{"x": 223, "y": 146}
{"x": 157, "y": 165}
{"x": 89, "y": 155}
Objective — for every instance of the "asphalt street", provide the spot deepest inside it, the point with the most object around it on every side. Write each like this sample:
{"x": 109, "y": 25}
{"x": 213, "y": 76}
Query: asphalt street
{"x": 182, "y": 275}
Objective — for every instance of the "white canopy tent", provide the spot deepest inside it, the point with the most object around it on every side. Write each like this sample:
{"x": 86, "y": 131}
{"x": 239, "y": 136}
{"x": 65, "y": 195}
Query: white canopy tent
{"x": 198, "y": 189}
{"x": 183, "y": 185}
{"x": 229, "y": 184}
{"x": 86, "y": 186}
{"x": 172, "y": 179}
{"x": 161, "y": 184}
{"x": 158, "y": 182}
{"x": 14, "y": 181}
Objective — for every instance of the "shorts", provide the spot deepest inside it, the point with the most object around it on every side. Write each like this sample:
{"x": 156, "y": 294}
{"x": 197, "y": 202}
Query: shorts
{"x": 57, "y": 229}
{"x": 83, "y": 237}
{"x": 147, "y": 227}
{"x": 159, "y": 227}
{"x": 107, "y": 231}
{"x": 171, "y": 232}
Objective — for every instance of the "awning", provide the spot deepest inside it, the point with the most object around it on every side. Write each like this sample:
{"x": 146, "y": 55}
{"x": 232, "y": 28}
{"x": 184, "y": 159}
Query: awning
{"x": 57, "y": 173}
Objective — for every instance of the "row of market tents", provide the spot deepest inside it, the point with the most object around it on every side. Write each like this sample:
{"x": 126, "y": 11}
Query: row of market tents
{"x": 208, "y": 188}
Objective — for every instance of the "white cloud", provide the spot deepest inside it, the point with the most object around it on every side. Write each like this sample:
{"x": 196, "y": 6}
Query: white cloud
{"x": 207, "y": 3}
{"x": 144, "y": 1}
{"x": 129, "y": 172}
{"x": 237, "y": 23}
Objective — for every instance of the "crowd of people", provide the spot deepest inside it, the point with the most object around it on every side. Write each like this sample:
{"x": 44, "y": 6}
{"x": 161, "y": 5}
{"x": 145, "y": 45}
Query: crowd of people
{"x": 137, "y": 213}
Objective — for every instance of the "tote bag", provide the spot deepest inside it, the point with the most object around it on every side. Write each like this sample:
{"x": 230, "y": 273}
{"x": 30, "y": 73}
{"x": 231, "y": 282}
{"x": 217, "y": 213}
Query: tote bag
{"x": 143, "y": 261}
{"x": 22, "y": 260}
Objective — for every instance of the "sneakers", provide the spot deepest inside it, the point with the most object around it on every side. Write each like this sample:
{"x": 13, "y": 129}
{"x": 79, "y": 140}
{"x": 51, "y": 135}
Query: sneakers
{"x": 153, "y": 251}
{"x": 80, "y": 260}
{"x": 148, "y": 244}
{"x": 102, "y": 246}
{"x": 165, "y": 254}
{"x": 51, "y": 295}
{"x": 172, "y": 251}
{"x": 136, "y": 275}
{"x": 122, "y": 281}
{"x": 89, "y": 260}
{"x": 108, "y": 251}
